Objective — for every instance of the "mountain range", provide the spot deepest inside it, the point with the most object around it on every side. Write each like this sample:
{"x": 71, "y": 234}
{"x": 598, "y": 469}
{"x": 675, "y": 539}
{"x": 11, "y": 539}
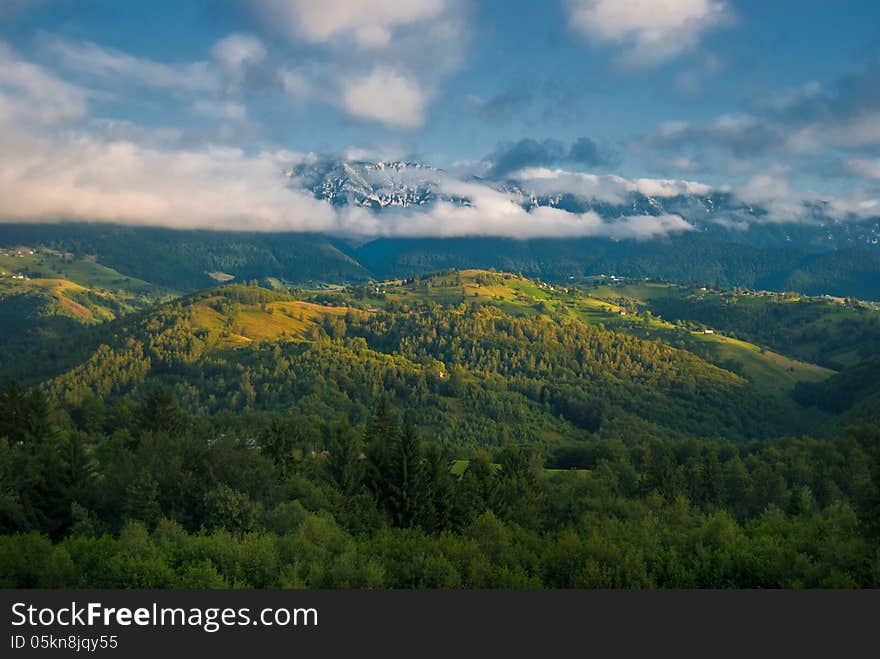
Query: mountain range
{"x": 405, "y": 184}
{"x": 731, "y": 244}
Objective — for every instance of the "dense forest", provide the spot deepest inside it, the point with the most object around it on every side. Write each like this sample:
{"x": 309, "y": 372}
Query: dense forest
{"x": 461, "y": 429}
{"x": 138, "y": 496}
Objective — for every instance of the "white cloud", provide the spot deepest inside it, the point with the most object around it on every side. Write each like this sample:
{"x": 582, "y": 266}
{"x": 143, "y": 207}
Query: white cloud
{"x": 95, "y": 60}
{"x": 83, "y": 176}
{"x": 235, "y": 60}
{"x": 859, "y": 207}
{"x": 848, "y": 133}
{"x": 768, "y": 190}
{"x": 772, "y": 192}
{"x": 490, "y": 212}
{"x": 32, "y": 94}
{"x": 86, "y": 177}
{"x": 223, "y": 110}
{"x": 117, "y": 172}
{"x": 865, "y": 167}
{"x": 790, "y": 97}
{"x": 543, "y": 181}
{"x": 510, "y": 220}
{"x": 603, "y": 187}
{"x": 120, "y": 174}
{"x": 297, "y": 84}
{"x": 238, "y": 50}
{"x": 370, "y": 23}
{"x": 380, "y": 153}
{"x": 114, "y": 171}
{"x": 238, "y": 55}
{"x": 657, "y": 187}
{"x": 387, "y": 96}
{"x": 650, "y": 31}
{"x": 359, "y": 46}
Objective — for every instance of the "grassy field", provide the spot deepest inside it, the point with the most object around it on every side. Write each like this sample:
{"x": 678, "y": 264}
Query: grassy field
{"x": 85, "y": 272}
{"x": 244, "y": 323}
{"x": 768, "y": 370}
{"x": 79, "y": 289}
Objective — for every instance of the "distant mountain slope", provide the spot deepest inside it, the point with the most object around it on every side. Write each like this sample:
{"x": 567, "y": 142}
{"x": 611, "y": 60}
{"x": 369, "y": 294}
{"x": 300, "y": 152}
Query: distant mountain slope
{"x": 394, "y": 185}
{"x": 183, "y": 260}
{"x": 851, "y": 272}
{"x": 375, "y": 185}
{"x": 190, "y": 260}
{"x": 694, "y": 258}
{"x": 854, "y": 394}
{"x": 691, "y": 258}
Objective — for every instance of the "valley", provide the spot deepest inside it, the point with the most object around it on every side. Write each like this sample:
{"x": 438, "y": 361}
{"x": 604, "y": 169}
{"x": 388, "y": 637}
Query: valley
{"x": 441, "y": 411}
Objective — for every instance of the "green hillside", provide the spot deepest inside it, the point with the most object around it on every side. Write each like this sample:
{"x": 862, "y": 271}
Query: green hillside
{"x": 86, "y": 272}
{"x": 189, "y": 260}
{"x": 477, "y": 357}
{"x": 834, "y": 332}
{"x": 462, "y": 429}
{"x": 47, "y": 298}
{"x": 853, "y": 394}
{"x": 186, "y": 260}
{"x": 621, "y": 307}
{"x": 236, "y": 316}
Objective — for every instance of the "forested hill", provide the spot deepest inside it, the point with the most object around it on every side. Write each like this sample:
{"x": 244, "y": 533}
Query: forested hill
{"x": 473, "y": 357}
{"x": 462, "y": 429}
{"x": 189, "y": 260}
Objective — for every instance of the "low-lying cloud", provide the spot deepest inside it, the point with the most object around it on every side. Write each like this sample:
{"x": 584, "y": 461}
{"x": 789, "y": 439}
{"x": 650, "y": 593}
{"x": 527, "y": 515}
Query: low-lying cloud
{"x": 603, "y": 187}
{"x": 84, "y": 177}
{"x": 369, "y": 23}
{"x": 88, "y": 177}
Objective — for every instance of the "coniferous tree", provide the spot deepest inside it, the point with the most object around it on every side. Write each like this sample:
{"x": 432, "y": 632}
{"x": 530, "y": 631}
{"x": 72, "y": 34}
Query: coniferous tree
{"x": 278, "y": 444}
{"x": 11, "y": 399}
{"x": 346, "y": 459}
{"x": 407, "y": 484}
{"x": 160, "y": 412}
{"x": 380, "y": 441}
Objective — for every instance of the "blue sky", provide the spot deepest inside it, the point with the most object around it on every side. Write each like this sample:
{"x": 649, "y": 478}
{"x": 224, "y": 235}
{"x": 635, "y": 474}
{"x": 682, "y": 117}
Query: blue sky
{"x": 776, "y": 101}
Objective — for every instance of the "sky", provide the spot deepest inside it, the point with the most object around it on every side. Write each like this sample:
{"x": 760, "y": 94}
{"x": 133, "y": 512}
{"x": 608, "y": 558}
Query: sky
{"x": 143, "y": 112}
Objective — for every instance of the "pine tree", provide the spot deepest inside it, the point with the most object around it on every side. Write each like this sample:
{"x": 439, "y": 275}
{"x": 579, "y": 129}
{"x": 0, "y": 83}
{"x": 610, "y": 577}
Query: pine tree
{"x": 379, "y": 441}
{"x": 160, "y": 411}
{"x": 346, "y": 460}
{"x": 278, "y": 444}
{"x": 407, "y": 484}
{"x": 10, "y": 411}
